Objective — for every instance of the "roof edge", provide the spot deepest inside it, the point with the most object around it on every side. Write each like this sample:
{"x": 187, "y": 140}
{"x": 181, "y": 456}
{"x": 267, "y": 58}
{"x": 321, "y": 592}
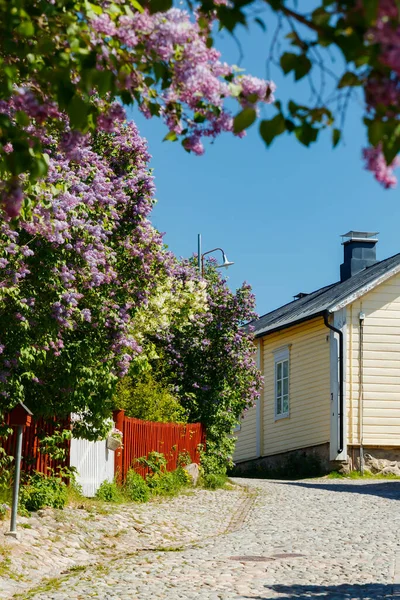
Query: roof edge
{"x": 365, "y": 289}
{"x": 292, "y": 324}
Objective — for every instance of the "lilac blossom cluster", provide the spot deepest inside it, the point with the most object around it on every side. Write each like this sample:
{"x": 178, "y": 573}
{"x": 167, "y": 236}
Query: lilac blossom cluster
{"x": 382, "y": 90}
{"x": 192, "y": 103}
{"x": 375, "y": 162}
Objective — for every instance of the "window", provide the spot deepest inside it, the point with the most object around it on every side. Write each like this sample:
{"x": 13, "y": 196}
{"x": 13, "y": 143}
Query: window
{"x": 282, "y": 383}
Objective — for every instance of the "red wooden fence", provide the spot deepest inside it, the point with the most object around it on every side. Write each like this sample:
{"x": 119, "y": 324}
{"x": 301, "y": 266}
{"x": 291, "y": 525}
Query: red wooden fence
{"x": 139, "y": 438}
{"x": 142, "y": 437}
{"x": 32, "y": 458}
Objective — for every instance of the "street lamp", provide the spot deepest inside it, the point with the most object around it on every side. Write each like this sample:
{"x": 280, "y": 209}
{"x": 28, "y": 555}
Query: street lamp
{"x": 200, "y": 257}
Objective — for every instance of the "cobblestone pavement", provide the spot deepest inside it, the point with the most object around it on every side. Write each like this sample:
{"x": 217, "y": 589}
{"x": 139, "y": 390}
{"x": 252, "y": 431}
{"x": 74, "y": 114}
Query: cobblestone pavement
{"x": 52, "y": 542}
{"x": 322, "y": 539}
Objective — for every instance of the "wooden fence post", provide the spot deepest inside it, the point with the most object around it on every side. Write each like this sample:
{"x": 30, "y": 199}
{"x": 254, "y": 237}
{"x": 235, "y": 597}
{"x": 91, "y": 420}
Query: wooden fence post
{"x": 119, "y": 418}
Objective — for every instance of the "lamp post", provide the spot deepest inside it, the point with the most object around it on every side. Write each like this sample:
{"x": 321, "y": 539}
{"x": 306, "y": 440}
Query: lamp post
{"x": 200, "y": 257}
{"x": 20, "y": 417}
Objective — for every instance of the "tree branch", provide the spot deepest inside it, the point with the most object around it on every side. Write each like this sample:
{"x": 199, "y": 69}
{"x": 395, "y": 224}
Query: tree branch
{"x": 301, "y": 19}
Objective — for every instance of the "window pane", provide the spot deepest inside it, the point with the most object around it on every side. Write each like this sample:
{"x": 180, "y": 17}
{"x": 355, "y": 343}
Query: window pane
{"x": 285, "y": 368}
{"x": 285, "y": 404}
{"x": 279, "y": 388}
{"x": 286, "y": 386}
{"x": 279, "y": 370}
{"x": 279, "y": 406}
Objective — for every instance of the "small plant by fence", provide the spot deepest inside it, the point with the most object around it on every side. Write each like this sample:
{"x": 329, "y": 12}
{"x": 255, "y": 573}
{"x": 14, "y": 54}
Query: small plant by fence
{"x": 142, "y": 437}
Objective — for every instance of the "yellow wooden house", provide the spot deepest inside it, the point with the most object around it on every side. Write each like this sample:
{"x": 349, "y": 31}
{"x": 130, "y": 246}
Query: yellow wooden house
{"x": 331, "y": 366}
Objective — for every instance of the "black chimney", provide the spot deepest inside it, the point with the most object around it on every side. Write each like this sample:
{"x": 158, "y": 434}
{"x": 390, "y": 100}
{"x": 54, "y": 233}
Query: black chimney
{"x": 359, "y": 252}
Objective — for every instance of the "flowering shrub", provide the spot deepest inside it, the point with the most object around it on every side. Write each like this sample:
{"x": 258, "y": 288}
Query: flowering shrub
{"x": 212, "y": 366}
{"x": 84, "y": 277}
{"x": 57, "y": 55}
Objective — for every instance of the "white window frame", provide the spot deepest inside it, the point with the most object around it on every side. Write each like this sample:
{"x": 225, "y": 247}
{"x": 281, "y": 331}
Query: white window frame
{"x": 281, "y": 355}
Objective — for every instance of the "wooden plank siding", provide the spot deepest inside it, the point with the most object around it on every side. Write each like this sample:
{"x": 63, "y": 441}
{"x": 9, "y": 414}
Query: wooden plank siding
{"x": 246, "y": 438}
{"x": 381, "y": 366}
{"x": 308, "y": 423}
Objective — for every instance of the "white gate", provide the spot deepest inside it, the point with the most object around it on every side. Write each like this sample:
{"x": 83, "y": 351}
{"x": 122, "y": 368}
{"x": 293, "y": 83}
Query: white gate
{"x": 94, "y": 463}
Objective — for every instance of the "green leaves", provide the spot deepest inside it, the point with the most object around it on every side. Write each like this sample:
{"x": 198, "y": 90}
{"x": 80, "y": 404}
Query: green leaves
{"x": 386, "y": 134}
{"x": 244, "y": 119}
{"x": 26, "y": 29}
{"x": 304, "y": 122}
{"x": 288, "y": 62}
{"x": 300, "y": 64}
{"x": 376, "y": 131}
{"x": 336, "y": 135}
{"x": 306, "y": 134}
{"x": 370, "y": 10}
{"x": 349, "y": 79}
{"x": 78, "y": 112}
{"x": 269, "y": 130}
{"x": 159, "y": 5}
{"x": 170, "y": 137}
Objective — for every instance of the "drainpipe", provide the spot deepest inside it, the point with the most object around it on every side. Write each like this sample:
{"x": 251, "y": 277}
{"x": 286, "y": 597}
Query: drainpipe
{"x": 341, "y": 377}
{"x": 361, "y": 390}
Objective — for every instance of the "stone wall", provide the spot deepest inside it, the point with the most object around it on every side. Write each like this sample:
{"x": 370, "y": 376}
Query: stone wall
{"x": 376, "y": 460}
{"x": 310, "y": 461}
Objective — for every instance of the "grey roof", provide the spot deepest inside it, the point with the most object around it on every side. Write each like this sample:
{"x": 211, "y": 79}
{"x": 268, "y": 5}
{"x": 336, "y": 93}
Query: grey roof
{"x": 324, "y": 299}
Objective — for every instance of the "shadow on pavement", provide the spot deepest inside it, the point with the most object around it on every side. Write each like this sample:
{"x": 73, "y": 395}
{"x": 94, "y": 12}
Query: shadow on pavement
{"x": 390, "y": 489}
{"x": 369, "y": 591}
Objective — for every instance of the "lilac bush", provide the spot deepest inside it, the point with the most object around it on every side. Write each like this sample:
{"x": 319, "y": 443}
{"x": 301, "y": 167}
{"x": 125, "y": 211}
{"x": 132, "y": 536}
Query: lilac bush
{"x": 76, "y": 270}
{"x": 212, "y": 365}
{"x": 57, "y": 56}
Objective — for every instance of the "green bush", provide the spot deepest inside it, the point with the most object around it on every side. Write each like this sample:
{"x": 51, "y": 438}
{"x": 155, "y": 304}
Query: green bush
{"x": 184, "y": 458}
{"x": 162, "y": 484}
{"x": 166, "y": 483}
{"x": 41, "y": 491}
{"x": 213, "y": 481}
{"x": 135, "y": 488}
{"x": 109, "y": 491}
{"x": 155, "y": 461}
{"x": 182, "y": 477}
{"x": 148, "y": 399}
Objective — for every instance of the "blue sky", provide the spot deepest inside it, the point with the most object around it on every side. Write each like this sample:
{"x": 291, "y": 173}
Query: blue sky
{"x": 278, "y": 213}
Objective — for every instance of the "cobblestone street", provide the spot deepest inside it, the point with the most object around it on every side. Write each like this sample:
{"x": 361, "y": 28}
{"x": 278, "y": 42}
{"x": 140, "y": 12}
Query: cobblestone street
{"x": 325, "y": 539}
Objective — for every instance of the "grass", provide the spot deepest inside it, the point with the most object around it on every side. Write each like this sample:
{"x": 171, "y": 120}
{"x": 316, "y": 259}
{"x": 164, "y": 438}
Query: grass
{"x": 167, "y": 549}
{"x": 359, "y": 475}
{"x": 74, "y": 569}
{"x": 4, "y": 562}
{"x": 93, "y": 506}
{"x": 47, "y": 585}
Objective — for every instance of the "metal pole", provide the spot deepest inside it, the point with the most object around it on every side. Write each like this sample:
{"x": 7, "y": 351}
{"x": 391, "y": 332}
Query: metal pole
{"x": 14, "y": 508}
{"x": 199, "y": 252}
